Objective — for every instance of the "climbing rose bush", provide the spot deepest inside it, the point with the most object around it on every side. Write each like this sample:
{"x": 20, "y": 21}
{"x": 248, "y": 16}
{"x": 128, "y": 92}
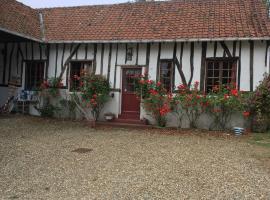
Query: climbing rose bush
{"x": 225, "y": 100}
{"x": 156, "y": 99}
{"x": 92, "y": 94}
{"x": 51, "y": 86}
{"x": 190, "y": 102}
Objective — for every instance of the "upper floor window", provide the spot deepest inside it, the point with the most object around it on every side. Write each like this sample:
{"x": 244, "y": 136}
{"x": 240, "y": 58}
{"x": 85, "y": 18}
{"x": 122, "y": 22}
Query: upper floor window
{"x": 220, "y": 72}
{"x": 76, "y": 68}
{"x": 166, "y": 74}
{"x": 34, "y": 74}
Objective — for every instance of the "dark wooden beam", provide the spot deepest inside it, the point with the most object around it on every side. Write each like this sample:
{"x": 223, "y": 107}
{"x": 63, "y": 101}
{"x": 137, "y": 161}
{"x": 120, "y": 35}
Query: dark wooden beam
{"x": 203, "y": 59}
{"x": 26, "y": 51}
{"x": 234, "y": 48}
{"x": 126, "y": 53}
{"x": 116, "y": 61}
{"x": 5, "y": 63}
{"x": 215, "y": 49}
{"x": 226, "y": 49}
{"x": 63, "y": 55}
{"x": 40, "y": 51}
{"x": 251, "y": 64}
{"x": 148, "y": 48}
{"x": 137, "y": 54}
{"x": 109, "y": 63}
{"x": 10, "y": 61}
{"x": 86, "y": 51}
{"x": 174, "y": 58}
{"x": 239, "y": 65}
{"x": 95, "y": 59}
{"x": 32, "y": 51}
{"x": 191, "y": 63}
{"x": 179, "y": 65}
{"x": 17, "y": 59}
{"x": 158, "y": 63}
{"x": 56, "y": 59}
{"x": 266, "y": 53}
{"x": 76, "y": 55}
{"x": 68, "y": 59}
{"x": 48, "y": 49}
{"x": 22, "y": 56}
{"x": 102, "y": 57}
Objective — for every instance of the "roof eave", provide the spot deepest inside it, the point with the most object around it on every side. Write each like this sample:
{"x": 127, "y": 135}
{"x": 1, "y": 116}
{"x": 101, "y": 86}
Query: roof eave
{"x": 162, "y": 40}
{"x": 21, "y": 35}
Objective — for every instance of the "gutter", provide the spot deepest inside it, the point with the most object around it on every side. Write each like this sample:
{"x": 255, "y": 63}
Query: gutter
{"x": 43, "y": 40}
{"x": 160, "y": 40}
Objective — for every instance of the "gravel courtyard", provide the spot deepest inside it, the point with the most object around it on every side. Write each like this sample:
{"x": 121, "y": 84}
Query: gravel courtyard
{"x": 38, "y": 160}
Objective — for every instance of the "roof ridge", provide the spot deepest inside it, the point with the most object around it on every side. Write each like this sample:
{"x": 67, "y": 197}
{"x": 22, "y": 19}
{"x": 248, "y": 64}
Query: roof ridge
{"x": 109, "y": 5}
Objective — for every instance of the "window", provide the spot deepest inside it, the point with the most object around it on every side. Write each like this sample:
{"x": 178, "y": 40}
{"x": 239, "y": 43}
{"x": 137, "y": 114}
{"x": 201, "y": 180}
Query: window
{"x": 129, "y": 54}
{"x": 76, "y": 68}
{"x": 220, "y": 72}
{"x": 34, "y": 74}
{"x": 166, "y": 74}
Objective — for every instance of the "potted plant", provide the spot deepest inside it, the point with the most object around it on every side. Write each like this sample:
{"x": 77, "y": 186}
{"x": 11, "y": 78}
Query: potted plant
{"x": 109, "y": 116}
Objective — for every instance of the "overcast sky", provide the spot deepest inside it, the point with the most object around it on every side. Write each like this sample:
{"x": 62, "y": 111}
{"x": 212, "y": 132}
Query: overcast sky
{"x": 57, "y": 3}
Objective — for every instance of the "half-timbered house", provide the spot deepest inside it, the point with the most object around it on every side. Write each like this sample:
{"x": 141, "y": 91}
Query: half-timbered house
{"x": 210, "y": 41}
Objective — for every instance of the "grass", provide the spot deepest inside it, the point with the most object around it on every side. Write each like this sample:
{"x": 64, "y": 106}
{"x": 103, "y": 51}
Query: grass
{"x": 261, "y": 139}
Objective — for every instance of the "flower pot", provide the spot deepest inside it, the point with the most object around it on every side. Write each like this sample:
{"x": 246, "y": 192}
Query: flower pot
{"x": 109, "y": 118}
{"x": 238, "y": 131}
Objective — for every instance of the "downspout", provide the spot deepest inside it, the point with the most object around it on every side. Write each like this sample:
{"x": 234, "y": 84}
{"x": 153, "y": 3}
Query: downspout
{"x": 42, "y": 26}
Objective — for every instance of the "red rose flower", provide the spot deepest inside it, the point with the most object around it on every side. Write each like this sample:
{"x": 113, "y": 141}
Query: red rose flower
{"x": 234, "y": 92}
{"x": 246, "y": 114}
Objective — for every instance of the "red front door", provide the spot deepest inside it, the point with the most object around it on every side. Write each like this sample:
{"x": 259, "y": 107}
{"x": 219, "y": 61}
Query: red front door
{"x": 130, "y": 103}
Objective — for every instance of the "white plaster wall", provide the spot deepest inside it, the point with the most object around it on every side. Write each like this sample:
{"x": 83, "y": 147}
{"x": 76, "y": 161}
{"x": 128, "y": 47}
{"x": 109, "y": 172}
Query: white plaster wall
{"x": 245, "y": 71}
{"x": 186, "y": 61}
{"x": 197, "y": 61}
{"x": 153, "y": 61}
{"x": 142, "y": 54}
{"x": 259, "y": 62}
{"x": 166, "y": 50}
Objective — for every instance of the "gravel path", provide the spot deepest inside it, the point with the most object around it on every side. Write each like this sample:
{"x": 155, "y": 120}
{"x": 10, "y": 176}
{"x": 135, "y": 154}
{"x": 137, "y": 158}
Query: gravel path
{"x": 37, "y": 162}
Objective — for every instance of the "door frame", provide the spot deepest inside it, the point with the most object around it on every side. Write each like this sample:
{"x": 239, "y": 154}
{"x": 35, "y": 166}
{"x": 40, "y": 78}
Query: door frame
{"x": 122, "y": 69}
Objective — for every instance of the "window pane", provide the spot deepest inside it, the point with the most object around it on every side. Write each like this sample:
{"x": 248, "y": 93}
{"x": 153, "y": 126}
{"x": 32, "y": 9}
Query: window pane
{"x": 76, "y": 68}
{"x": 217, "y": 75}
{"x": 34, "y": 75}
{"x": 166, "y": 74}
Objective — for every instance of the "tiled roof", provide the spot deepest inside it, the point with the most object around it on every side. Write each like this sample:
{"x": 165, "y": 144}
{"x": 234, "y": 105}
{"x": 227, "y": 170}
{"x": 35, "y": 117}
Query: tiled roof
{"x": 16, "y": 17}
{"x": 147, "y": 21}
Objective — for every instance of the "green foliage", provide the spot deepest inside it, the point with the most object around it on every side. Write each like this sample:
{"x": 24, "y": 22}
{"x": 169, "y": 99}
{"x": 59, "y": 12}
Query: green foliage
{"x": 261, "y": 139}
{"x": 47, "y": 110}
{"x": 69, "y": 106}
{"x": 260, "y": 101}
{"x": 93, "y": 93}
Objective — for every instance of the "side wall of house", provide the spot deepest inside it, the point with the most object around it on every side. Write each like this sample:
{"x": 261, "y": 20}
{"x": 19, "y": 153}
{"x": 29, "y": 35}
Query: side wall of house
{"x": 109, "y": 59}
